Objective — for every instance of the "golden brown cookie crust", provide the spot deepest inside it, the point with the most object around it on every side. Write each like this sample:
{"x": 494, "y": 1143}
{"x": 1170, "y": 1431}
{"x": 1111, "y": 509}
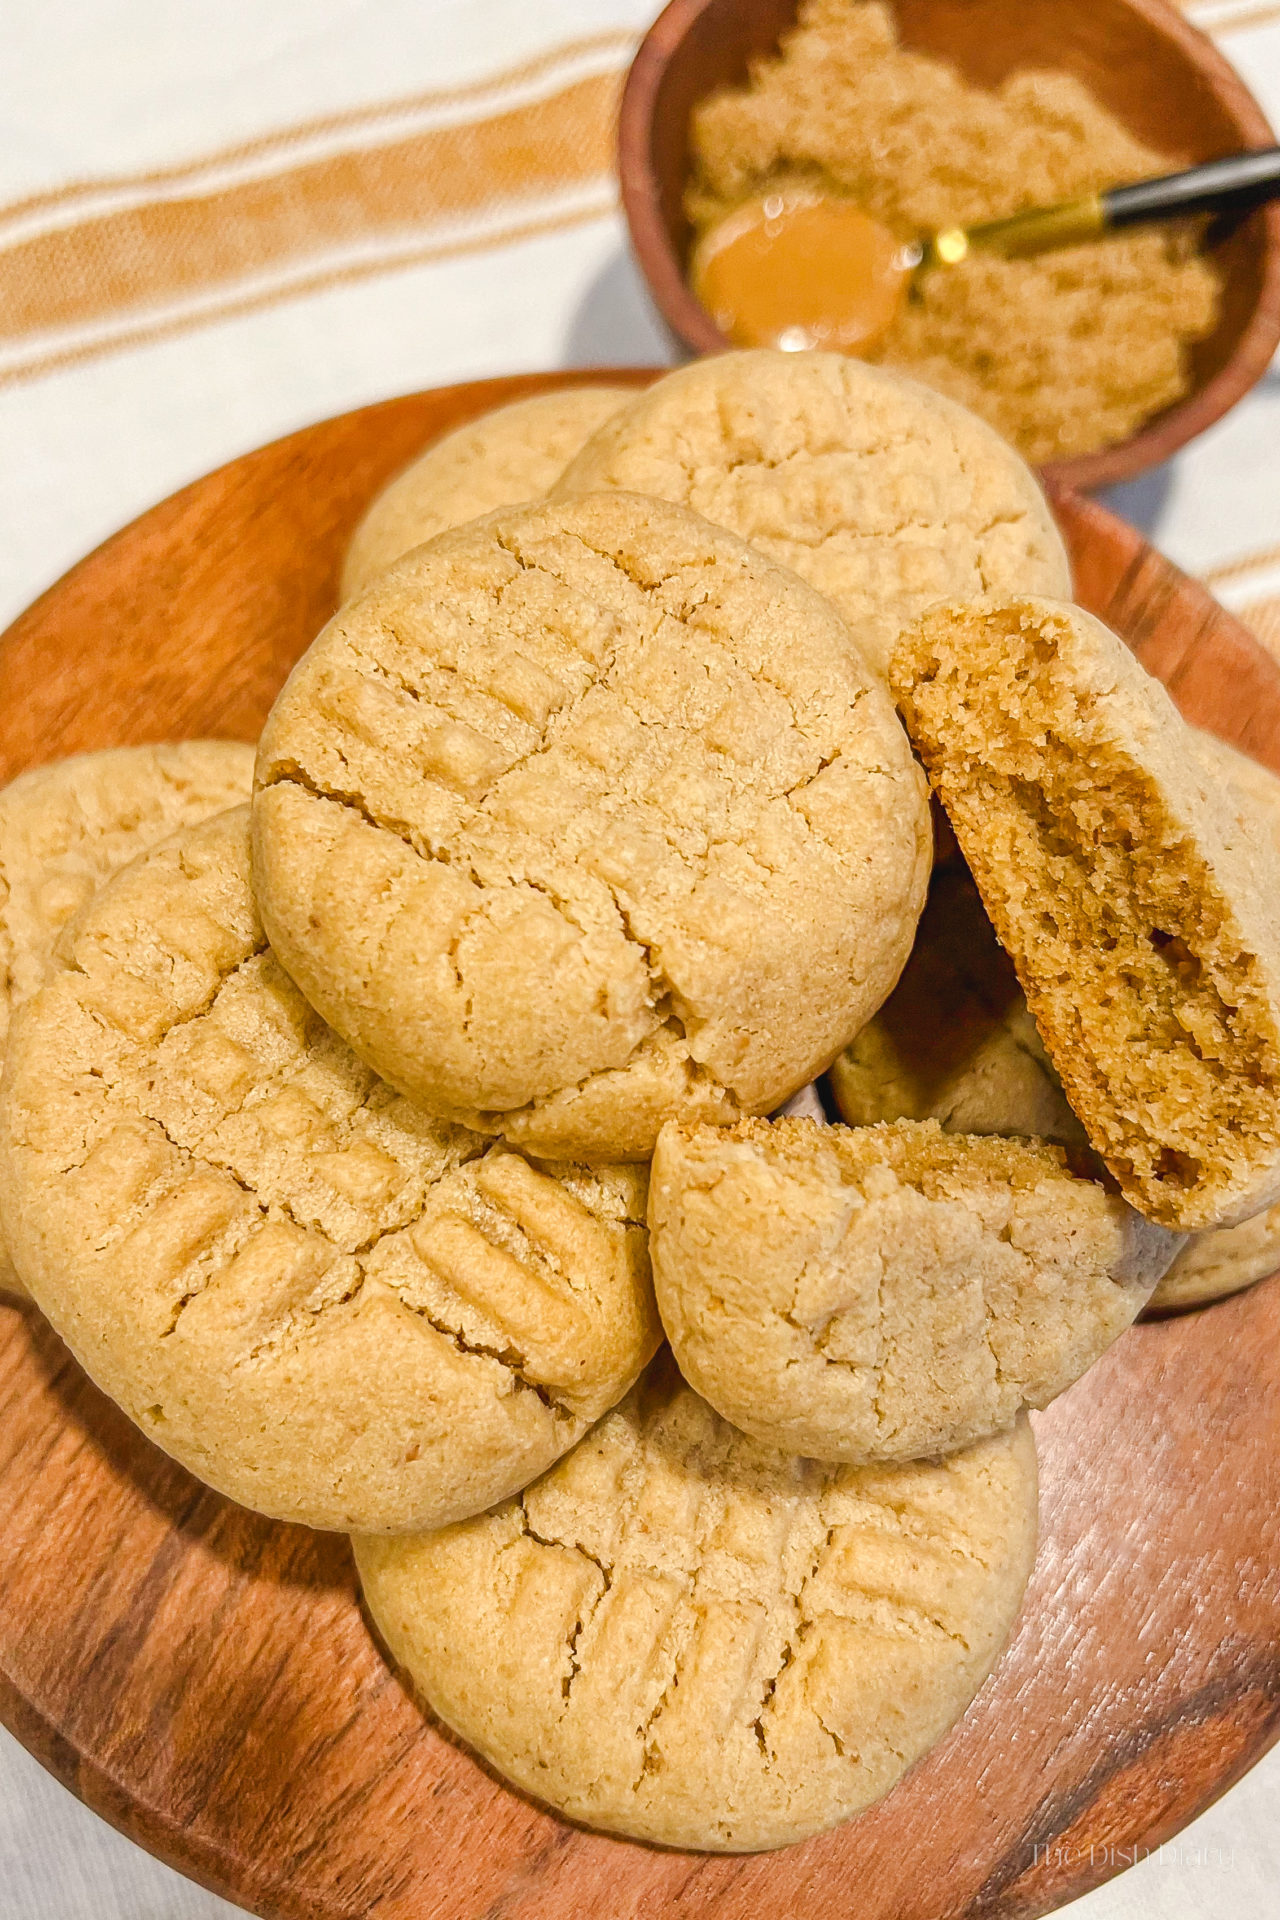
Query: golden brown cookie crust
{"x": 326, "y": 1304}
{"x": 885, "y": 1293}
{"x": 681, "y": 1635}
{"x": 882, "y": 494}
{"x": 512, "y": 454}
{"x": 587, "y": 815}
{"x": 66, "y": 828}
{"x": 1140, "y": 914}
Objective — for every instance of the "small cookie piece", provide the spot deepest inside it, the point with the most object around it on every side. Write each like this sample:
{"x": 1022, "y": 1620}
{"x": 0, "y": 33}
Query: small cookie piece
{"x": 1212, "y": 1265}
{"x": 585, "y": 816}
{"x": 1140, "y": 916}
{"x": 683, "y": 1636}
{"x": 324, "y": 1303}
{"x": 510, "y": 455}
{"x": 880, "y": 492}
{"x": 66, "y": 828}
{"x": 885, "y": 1293}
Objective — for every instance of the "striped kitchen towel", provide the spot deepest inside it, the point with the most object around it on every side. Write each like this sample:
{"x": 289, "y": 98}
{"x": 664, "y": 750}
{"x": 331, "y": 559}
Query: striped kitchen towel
{"x": 220, "y": 221}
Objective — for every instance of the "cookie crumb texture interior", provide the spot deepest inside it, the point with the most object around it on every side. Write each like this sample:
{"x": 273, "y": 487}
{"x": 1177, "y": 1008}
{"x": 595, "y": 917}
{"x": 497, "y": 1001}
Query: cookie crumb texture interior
{"x": 511, "y": 454}
{"x": 883, "y": 495}
{"x": 587, "y": 815}
{"x": 324, "y": 1303}
{"x": 66, "y": 828}
{"x": 721, "y": 1646}
{"x": 1140, "y": 917}
{"x": 886, "y": 1293}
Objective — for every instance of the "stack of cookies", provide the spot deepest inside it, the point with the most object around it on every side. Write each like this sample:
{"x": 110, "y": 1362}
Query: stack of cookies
{"x": 393, "y": 1144}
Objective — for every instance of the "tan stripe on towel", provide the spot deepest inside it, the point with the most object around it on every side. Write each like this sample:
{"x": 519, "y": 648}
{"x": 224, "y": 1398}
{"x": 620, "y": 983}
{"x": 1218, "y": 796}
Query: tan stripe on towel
{"x": 228, "y": 305}
{"x": 1215, "y": 19}
{"x": 150, "y": 254}
{"x": 1241, "y": 568}
{"x": 357, "y": 128}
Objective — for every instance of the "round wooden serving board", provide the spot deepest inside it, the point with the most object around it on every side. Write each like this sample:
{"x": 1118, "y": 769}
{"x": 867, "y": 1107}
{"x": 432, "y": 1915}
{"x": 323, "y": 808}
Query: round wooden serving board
{"x": 205, "y": 1679}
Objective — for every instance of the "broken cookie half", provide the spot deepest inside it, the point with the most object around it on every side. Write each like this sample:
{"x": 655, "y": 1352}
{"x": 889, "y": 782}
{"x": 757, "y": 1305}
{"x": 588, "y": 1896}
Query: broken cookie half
{"x": 1140, "y": 914}
{"x": 891, "y": 1292}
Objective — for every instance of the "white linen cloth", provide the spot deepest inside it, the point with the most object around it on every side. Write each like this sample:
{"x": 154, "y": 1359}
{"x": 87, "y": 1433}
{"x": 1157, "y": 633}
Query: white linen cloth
{"x": 119, "y": 116}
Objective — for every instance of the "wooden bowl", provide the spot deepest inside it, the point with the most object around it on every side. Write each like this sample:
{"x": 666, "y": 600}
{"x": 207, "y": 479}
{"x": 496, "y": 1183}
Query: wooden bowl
{"x": 204, "y": 1678}
{"x": 1153, "y": 70}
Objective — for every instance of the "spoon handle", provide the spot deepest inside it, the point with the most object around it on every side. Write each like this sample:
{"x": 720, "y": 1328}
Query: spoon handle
{"x": 1233, "y": 185}
{"x": 1221, "y": 186}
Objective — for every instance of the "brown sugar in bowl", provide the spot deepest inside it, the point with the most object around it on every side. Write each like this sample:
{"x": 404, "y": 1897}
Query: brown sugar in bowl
{"x": 1147, "y": 65}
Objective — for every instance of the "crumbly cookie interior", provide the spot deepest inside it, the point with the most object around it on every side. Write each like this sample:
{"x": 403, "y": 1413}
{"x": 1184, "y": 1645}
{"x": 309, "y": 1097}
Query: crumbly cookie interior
{"x": 954, "y": 1041}
{"x": 1153, "y": 1000}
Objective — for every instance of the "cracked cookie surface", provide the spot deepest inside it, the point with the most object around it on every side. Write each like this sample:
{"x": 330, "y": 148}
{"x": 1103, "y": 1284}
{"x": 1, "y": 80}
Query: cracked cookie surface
{"x": 684, "y": 1636}
{"x": 587, "y": 815}
{"x": 325, "y": 1303}
{"x": 513, "y": 454}
{"x": 885, "y": 1293}
{"x": 1139, "y": 911}
{"x": 65, "y": 828}
{"x": 881, "y": 493}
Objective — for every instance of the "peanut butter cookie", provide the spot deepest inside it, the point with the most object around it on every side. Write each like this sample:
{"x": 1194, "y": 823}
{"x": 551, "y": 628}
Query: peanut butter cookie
{"x": 1140, "y": 915}
{"x": 685, "y": 1636}
{"x": 884, "y": 495}
{"x": 585, "y": 816}
{"x": 885, "y": 1293}
{"x": 324, "y": 1303}
{"x": 65, "y": 828}
{"x": 515, "y": 453}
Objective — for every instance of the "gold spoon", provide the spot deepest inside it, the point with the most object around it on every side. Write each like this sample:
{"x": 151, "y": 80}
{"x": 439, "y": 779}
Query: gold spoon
{"x": 798, "y": 268}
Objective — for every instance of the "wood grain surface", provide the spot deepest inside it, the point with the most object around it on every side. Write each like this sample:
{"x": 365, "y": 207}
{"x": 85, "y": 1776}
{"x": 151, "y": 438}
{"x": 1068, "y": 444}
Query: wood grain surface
{"x": 205, "y": 1679}
{"x": 1161, "y": 78}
